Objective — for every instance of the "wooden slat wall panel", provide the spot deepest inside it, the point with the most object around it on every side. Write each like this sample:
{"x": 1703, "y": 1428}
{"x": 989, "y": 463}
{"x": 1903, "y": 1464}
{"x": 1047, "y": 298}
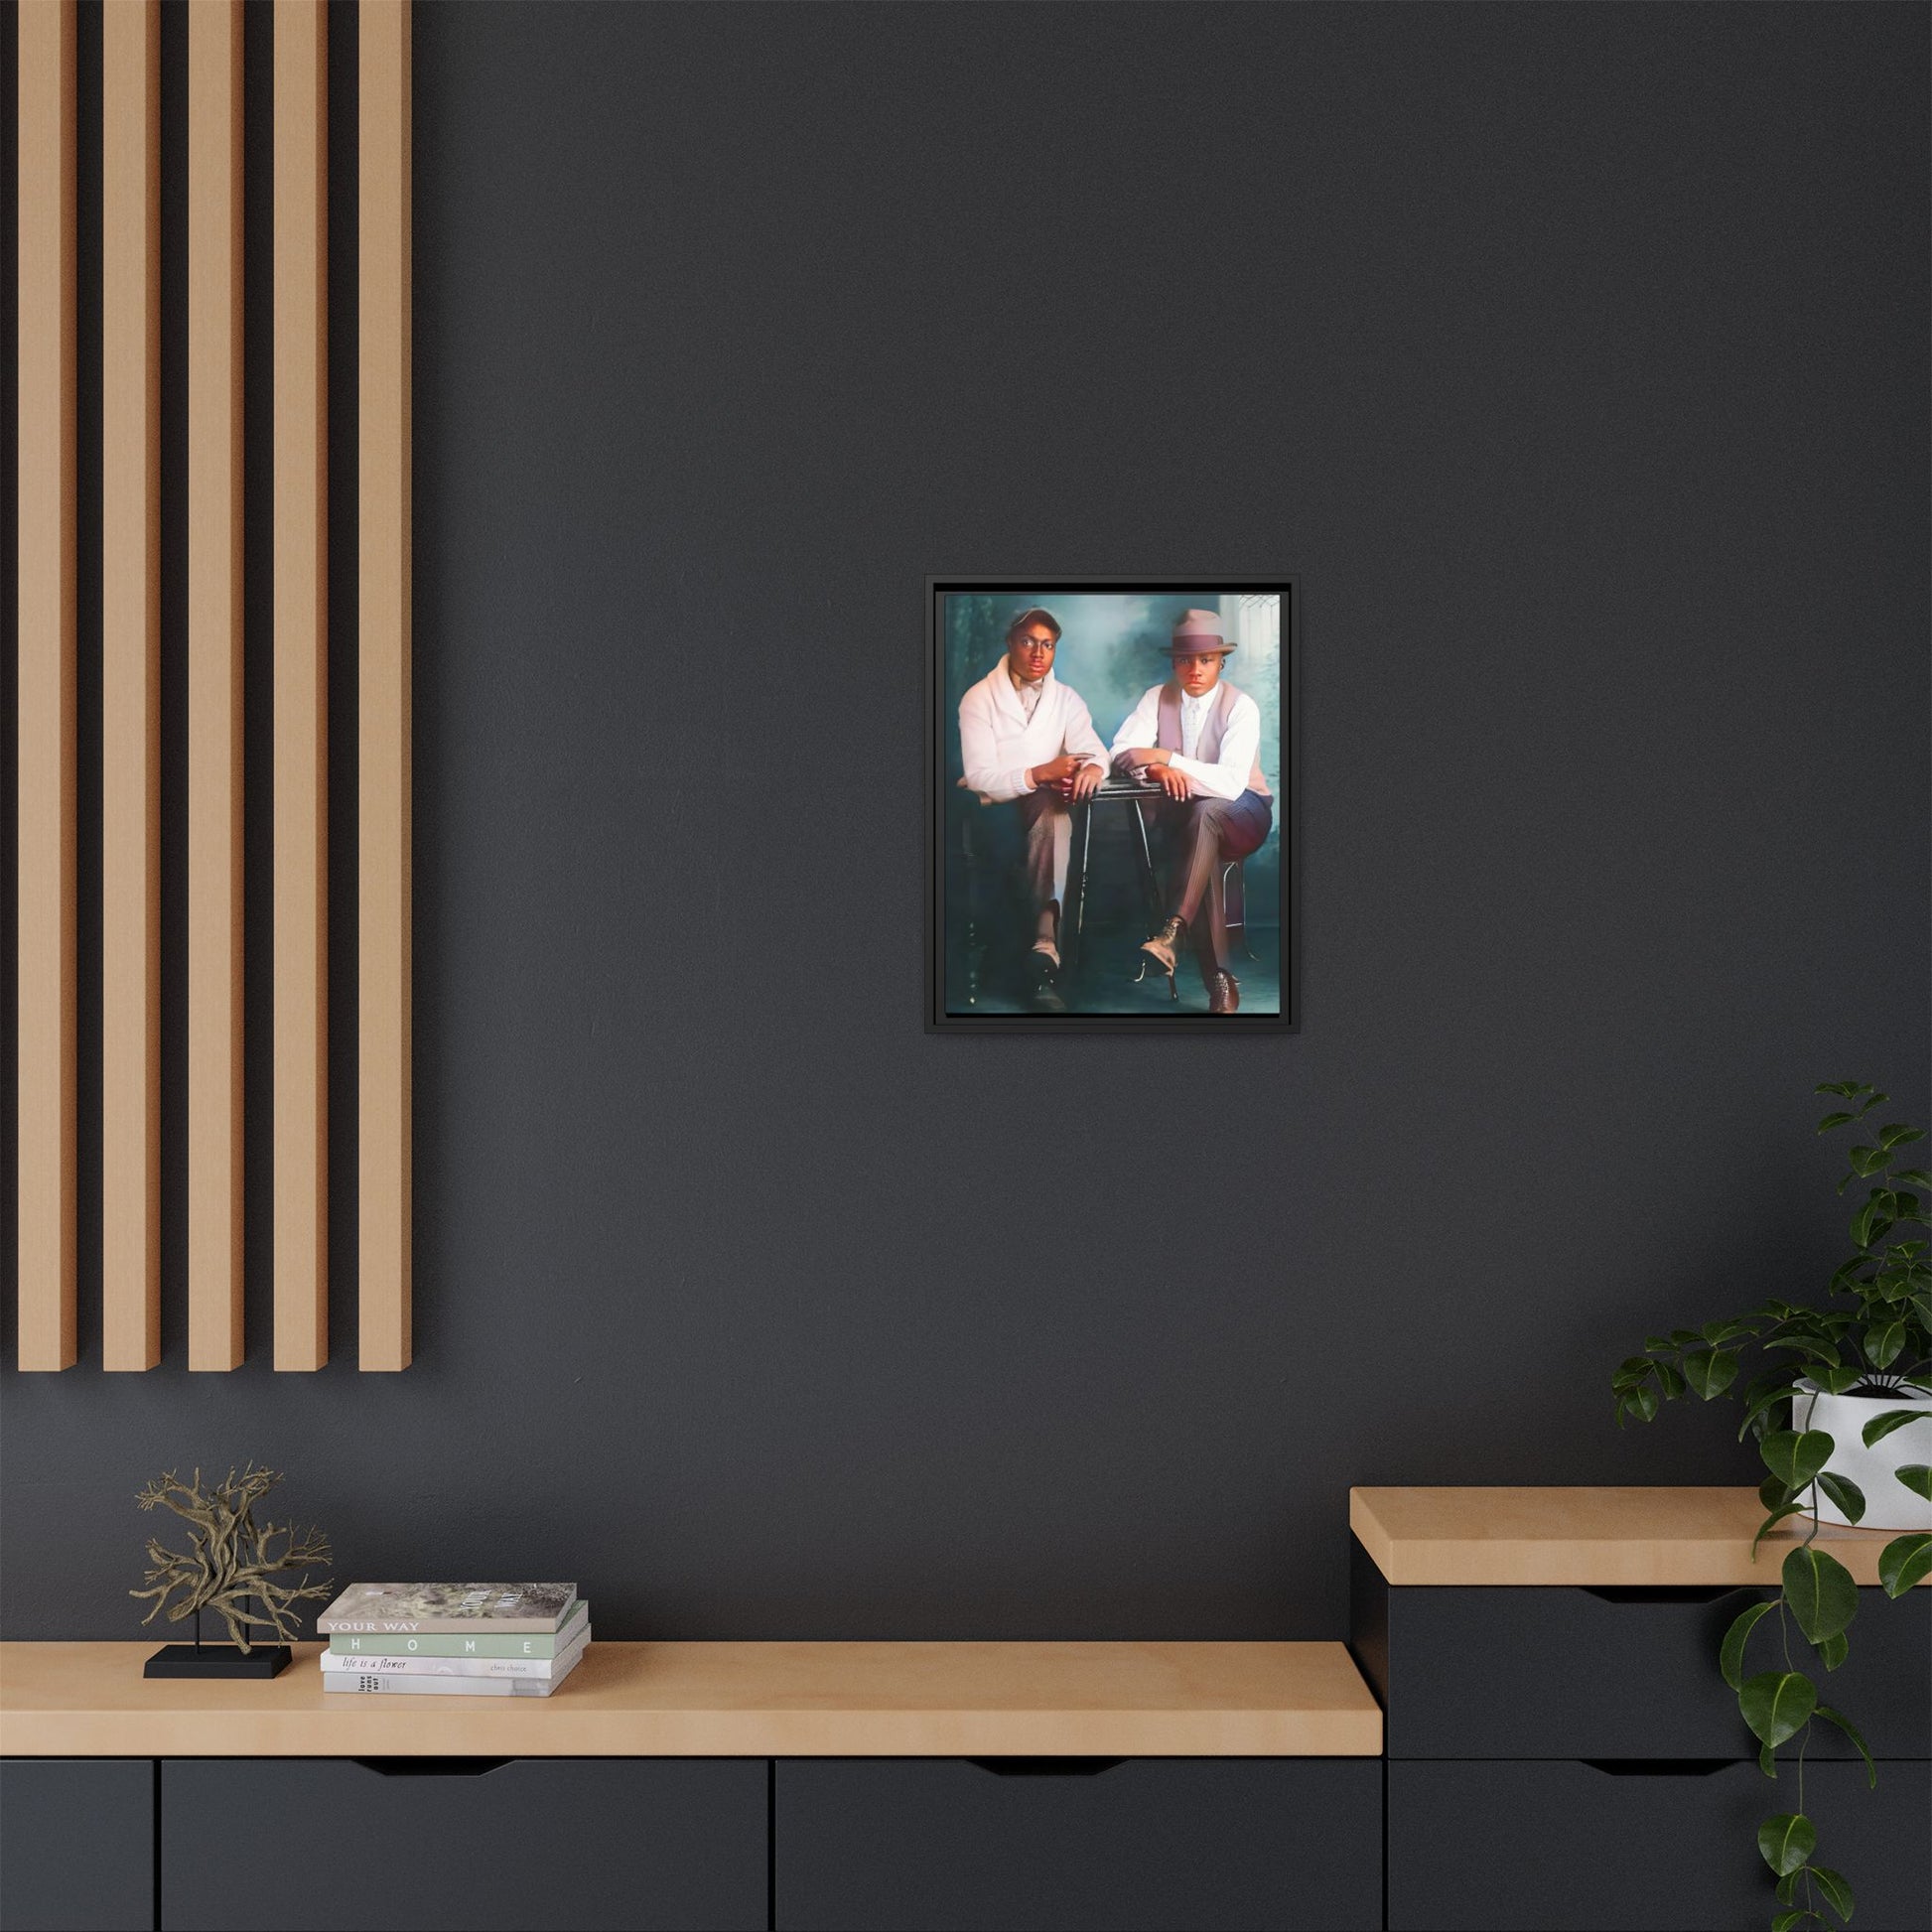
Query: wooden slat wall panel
{"x": 301, "y": 686}
{"x": 214, "y": 774}
{"x": 45, "y": 702}
{"x": 131, "y": 684}
{"x": 384, "y": 747}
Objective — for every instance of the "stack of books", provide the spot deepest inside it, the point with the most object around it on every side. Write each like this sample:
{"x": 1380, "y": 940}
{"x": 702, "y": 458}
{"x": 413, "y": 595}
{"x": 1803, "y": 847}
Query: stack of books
{"x": 492, "y": 1641}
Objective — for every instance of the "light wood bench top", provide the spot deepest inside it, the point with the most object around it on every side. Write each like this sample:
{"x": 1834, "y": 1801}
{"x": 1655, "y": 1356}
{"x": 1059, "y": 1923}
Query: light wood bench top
{"x": 1594, "y": 1537}
{"x": 725, "y": 1700}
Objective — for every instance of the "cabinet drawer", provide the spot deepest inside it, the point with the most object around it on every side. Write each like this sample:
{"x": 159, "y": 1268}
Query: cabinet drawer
{"x": 1572, "y": 1848}
{"x": 78, "y": 1853}
{"x": 921, "y": 1844}
{"x": 463, "y": 1843}
{"x": 1633, "y": 1673}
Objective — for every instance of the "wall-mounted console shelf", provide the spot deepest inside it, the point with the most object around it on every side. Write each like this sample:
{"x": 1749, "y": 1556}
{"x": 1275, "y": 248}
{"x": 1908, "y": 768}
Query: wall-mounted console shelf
{"x": 1562, "y": 1753}
{"x": 1545, "y": 1662}
{"x": 728, "y": 1700}
{"x": 1591, "y": 1538}
{"x": 801, "y": 1785}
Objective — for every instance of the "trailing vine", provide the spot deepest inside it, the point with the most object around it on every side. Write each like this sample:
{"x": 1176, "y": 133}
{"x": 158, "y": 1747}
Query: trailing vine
{"x": 1880, "y": 1346}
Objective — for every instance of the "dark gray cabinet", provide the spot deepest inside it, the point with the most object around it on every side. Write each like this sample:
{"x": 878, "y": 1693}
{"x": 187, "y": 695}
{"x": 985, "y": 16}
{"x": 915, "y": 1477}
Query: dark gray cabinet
{"x": 76, "y": 1843}
{"x": 1571, "y": 1758}
{"x": 467, "y": 1844}
{"x": 1626, "y": 1847}
{"x": 1018, "y": 1844}
{"x": 1514, "y": 1672}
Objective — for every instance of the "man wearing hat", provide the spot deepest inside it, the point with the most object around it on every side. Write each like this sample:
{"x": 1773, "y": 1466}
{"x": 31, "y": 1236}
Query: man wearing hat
{"x": 1030, "y": 750}
{"x": 1199, "y": 740}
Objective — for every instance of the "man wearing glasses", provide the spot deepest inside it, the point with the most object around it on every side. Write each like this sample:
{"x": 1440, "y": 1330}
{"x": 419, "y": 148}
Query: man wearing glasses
{"x": 1029, "y": 752}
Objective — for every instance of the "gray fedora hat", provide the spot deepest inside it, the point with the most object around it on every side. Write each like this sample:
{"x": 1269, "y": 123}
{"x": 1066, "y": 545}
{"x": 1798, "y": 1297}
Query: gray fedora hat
{"x": 1197, "y": 632}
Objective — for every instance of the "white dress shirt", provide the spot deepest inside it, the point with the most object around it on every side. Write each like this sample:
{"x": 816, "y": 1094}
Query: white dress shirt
{"x": 1001, "y": 739}
{"x": 1228, "y": 775}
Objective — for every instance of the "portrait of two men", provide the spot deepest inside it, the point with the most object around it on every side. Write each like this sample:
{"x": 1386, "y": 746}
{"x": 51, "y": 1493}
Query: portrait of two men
{"x": 1109, "y": 824}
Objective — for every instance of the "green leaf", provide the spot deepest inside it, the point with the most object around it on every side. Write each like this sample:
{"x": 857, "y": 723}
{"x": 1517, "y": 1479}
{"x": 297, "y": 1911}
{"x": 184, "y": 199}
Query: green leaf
{"x": 1790, "y": 1921}
{"x": 1796, "y": 1456}
{"x": 1900, "y": 1134}
{"x": 1773, "y": 1494}
{"x": 1718, "y": 1333}
{"x": 1883, "y": 1342}
{"x": 1851, "y": 1731}
{"x": 1917, "y": 1478}
{"x": 1879, "y": 1426}
{"x": 1915, "y": 1177}
{"x": 1869, "y": 1161}
{"x": 1838, "y": 1895}
{"x": 1830, "y": 1121}
{"x": 1771, "y": 1522}
{"x": 1904, "y": 1561}
{"x": 1641, "y": 1403}
{"x": 1818, "y": 1348}
{"x": 1767, "y": 1761}
{"x": 1671, "y": 1379}
{"x": 1834, "y": 1381}
{"x": 1731, "y": 1658}
{"x": 1769, "y": 1392}
{"x": 1820, "y": 1590}
{"x": 1872, "y": 1220}
{"x": 1787, "y": 1840}
{"x": 1710, "y": 1371}
{"x": 1777, "y": 1704}
{"x": 1833, "y": 1651}
{"x": 1844, "y": 1493}
{"x": 1845, "y": 1088}
{"x": 1875, "y": 1099}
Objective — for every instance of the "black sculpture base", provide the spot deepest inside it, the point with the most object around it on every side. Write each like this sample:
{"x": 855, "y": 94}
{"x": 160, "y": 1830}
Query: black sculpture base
{"x": 218, "y": 1660}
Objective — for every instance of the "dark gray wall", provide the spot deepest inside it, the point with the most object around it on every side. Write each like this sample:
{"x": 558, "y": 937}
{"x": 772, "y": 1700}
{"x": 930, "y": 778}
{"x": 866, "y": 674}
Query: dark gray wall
{"x": 1574, "y": 357}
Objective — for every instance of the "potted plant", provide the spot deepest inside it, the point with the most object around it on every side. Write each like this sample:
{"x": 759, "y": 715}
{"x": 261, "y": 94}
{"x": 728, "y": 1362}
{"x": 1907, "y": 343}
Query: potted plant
{"x": 1842, "y": 1417}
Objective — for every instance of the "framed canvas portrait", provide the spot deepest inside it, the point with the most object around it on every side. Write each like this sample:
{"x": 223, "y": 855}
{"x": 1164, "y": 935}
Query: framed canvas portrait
{"x": 1112, "y": 827}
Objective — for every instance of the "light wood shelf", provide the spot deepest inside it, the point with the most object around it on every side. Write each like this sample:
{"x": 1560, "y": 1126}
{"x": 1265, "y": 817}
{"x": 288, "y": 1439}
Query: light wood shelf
{"x": 1596, "y": 1538}
{"x": 725, "y": 1700}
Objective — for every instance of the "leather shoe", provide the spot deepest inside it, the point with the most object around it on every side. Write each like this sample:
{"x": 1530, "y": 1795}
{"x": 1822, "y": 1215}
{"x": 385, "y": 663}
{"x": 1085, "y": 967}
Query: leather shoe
{"x": 1044, "y": 982}
{"x": 1223, "y": 991}
{"x": 1164, "y": 945}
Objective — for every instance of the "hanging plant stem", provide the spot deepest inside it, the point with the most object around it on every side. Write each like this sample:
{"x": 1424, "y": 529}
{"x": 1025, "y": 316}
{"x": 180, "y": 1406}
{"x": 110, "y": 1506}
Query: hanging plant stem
{"x": 1881, "y": 1346}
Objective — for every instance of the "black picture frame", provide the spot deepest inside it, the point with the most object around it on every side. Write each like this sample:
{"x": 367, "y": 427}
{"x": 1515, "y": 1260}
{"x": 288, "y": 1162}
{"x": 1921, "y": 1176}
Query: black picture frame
{"x": 1287, "y": 828}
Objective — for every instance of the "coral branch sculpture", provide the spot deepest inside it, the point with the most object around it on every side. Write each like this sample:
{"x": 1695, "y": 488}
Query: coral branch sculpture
{"x": 229, "y": 1558}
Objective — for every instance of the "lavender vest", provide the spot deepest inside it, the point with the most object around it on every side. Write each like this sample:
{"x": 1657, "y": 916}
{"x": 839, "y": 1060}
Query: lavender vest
{"x": 1208, "y": 751}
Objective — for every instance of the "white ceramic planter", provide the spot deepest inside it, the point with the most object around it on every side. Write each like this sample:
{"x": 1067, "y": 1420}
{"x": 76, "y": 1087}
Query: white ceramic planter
{"x": 1888, "y": 1504}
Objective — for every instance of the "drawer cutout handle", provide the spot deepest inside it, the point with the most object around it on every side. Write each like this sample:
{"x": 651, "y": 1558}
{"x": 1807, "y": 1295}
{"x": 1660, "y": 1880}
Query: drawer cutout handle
{"x": 1661, "y": 1768}
{"x": 1662, "y": 1593}
{"x": 1046, "y": 1768}
{"x": 432, "y": 1767}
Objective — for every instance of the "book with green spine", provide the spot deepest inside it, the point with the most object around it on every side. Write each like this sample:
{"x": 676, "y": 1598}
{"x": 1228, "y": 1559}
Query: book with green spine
{"x": 486, "y": 1644}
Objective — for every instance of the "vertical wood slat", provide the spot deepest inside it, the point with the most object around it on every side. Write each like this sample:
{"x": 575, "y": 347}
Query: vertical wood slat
{"x": 301, "y": 686}
{"x": 384, "y": 708}
{"x": 131, "y": 684}
{"x": 46, "y": 701}
{"x": 214, "y": 774}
